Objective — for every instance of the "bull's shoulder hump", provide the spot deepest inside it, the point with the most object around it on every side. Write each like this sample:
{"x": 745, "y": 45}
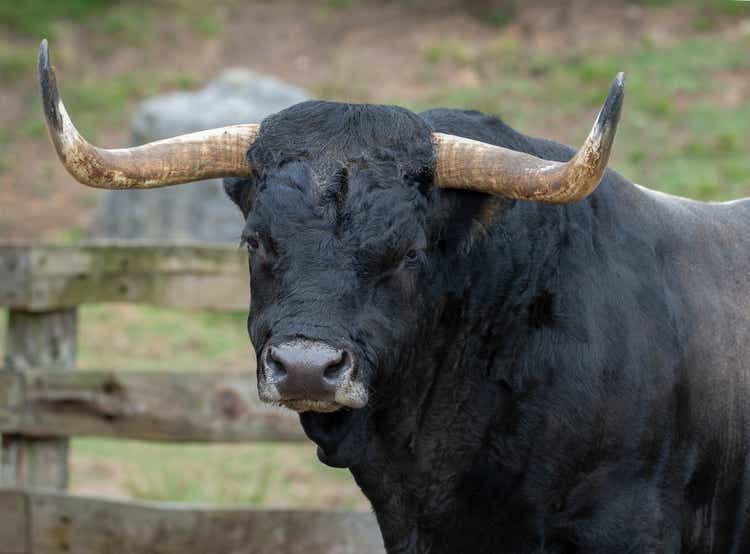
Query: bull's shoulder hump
{"x": 741, "y": 203}
{"x": 729, "y": 212}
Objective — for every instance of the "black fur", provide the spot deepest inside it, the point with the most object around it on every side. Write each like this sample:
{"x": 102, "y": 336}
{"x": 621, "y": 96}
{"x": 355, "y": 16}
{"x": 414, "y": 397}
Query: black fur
{"x": 538, "y": 373}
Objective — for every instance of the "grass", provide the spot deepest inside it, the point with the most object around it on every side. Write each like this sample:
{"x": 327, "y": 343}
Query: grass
{"x": 6, "y": 138}
{"x": 13, "y": 62}
{"x": 38, "y": 17}
{"x": 451, "y": 50}
{"x": 128, "y": 24}
{"x": 498, "y": 12}
{"x": 677, "y": 135}
{"x": 208, "y": 26}
{"x": 129, "y": 336}
{"x": 148, "y": 338}
{"x": 97, "y": 104}
{"x": 339, "y": 4}
{"x": 255, "y": 475}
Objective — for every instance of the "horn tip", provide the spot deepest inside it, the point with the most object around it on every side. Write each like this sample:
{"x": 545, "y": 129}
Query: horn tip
{"x": 610, "y": 112}
{"x": 48, "y": 85}
{"x": 43, "y": 57}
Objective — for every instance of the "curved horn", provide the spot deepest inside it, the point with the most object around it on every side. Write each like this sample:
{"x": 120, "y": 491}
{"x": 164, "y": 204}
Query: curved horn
{"x": 192, "y": 157}
{"x": 472, "y": 165}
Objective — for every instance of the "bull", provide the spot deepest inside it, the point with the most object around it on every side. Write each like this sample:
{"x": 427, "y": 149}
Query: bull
{"x": 511, "y": 347}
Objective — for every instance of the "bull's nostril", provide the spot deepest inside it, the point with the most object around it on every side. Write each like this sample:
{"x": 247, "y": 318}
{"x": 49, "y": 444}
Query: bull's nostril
{"x": 275, "y": 370}
{"x": 336, "y": 369}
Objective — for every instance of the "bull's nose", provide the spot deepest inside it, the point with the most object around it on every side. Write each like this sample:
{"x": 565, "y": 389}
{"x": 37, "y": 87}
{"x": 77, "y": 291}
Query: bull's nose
{"x": 306, "y": 369}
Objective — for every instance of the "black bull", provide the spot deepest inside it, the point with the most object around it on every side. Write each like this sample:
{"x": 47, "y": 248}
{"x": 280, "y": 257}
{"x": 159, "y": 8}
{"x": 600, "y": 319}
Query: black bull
{"x": 538, "y": 378}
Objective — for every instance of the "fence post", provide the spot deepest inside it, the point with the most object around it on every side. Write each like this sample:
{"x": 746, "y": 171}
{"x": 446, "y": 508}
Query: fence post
{"x": 38, "y": 340}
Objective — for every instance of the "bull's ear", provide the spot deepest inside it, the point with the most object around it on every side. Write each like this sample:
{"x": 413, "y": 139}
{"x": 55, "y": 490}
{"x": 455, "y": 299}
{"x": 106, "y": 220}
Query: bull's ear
{"x": 241, "y": 192}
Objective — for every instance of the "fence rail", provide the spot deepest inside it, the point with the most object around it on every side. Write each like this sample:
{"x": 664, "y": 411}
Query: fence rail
{"x": 43, "y": 401}
{"x": 173, "y": 407}
{"x": 195, "y": 276}
{"x": 40, "y": 522}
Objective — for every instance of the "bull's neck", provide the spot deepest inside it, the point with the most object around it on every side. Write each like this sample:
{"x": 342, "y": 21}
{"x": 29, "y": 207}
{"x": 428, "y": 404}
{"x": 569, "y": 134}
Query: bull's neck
{"x": 502, "y": 285}
{"x": 498, "y": 300}
{"x": 495, "y": 282}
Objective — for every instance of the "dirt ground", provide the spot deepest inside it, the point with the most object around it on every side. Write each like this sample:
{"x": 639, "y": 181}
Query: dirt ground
{"x": 357, "y": 51}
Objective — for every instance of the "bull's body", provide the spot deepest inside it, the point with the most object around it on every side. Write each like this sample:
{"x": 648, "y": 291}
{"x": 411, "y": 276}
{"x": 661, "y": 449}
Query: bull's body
{"x": 501, "y": 376}
{"x": 582, "y": 385}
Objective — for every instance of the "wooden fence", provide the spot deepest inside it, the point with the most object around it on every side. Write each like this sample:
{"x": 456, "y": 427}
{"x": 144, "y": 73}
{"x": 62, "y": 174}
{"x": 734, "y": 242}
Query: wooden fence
{"x": 43, "y": 401}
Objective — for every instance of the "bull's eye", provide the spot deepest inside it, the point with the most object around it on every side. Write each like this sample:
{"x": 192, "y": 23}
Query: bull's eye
{"x": 252, "y": 244}
{"x": 411, "y": 255}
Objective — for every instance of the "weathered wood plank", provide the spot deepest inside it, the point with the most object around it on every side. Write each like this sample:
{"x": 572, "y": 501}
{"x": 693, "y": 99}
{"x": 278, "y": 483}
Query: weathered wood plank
{"x": 14, "y": 525}
{"x": 11, "y": 401}
{"x": 14, "y": 276}
{"x": 78, "y": 525}
{"x": 195, "y": 407}
{"x": 195, "y": 276}
{"x": 47, "y": 340}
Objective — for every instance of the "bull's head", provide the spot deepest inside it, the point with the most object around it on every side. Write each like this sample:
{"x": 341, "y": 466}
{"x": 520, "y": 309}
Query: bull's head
{"x": 346, "y": 228}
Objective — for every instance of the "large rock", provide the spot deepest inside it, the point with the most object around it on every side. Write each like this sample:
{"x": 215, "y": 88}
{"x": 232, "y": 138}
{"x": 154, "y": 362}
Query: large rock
{"x": 201, "y": 210}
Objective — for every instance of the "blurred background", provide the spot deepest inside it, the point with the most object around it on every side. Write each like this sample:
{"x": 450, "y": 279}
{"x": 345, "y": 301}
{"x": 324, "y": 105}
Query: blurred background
{"x": 542, "y": 66}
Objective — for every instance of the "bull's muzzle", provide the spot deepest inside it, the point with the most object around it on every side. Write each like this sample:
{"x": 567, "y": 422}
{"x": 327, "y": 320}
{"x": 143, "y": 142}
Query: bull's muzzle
{"x": 309, "y": 375}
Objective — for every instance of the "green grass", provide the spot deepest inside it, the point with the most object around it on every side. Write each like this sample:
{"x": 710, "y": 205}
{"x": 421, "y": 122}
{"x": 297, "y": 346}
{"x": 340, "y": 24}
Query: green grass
{"x": 38, "y": 17}
{"x": 720, "y": 6}
{"x": 452, "y": 50}
{"x": 128, "y": 24}
{"x": 675, "y": 134}
{"x": 14, "y": 62}
{"x": 33, "y": 127}
{"x": 95, "y": 103}
{"x": 498, "y": 12}
{"x": 338, "y": 4}
{"x": 259, "y": 474}
{"x": 129, "y": 336}
{"x": 146, "y": 338}
{"x": 71, "y": 235}
{"x": 208, "y": 25}
{"x": 6, "y": 138}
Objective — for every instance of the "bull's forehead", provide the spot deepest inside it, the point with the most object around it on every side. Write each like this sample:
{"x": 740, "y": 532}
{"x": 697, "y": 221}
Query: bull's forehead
{"x": 326, "y": 133}
{"x": 349, "y": 174}
{"x": 360, "y": 204}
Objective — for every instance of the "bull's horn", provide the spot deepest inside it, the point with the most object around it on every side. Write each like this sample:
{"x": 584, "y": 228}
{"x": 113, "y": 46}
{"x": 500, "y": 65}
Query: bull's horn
{"x": 204, "y": 155}
{"x": 468, "y": 164}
